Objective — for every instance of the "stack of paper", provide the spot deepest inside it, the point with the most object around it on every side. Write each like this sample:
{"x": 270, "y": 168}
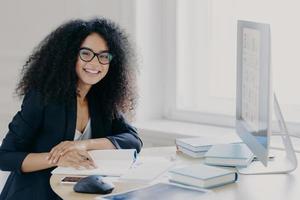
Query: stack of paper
{"x": 109, "y": 163}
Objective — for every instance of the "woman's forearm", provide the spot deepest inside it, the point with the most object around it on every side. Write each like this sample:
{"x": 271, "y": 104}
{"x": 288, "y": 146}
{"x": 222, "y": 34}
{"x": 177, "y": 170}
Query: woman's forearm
{"x": 35, "y": 162}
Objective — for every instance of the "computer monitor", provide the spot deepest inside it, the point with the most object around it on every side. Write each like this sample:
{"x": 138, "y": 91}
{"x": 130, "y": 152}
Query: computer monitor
{"x": 254, "y": 95}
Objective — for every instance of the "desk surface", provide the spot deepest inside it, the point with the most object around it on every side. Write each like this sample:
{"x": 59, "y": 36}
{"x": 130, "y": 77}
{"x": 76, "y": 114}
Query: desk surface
{"x": 248, "y": 187}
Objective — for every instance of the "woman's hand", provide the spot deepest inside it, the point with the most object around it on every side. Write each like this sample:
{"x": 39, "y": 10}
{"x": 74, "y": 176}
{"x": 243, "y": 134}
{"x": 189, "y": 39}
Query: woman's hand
{"x": 64, "y": 147}
{"x": 76, "y": 159}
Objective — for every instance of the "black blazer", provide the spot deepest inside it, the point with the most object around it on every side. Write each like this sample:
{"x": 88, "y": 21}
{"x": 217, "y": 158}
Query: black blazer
{"x": 37, "y": 128}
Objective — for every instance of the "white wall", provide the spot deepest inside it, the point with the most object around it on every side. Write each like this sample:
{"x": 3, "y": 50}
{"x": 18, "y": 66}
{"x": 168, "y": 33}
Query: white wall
{"x": 25, "y": 23}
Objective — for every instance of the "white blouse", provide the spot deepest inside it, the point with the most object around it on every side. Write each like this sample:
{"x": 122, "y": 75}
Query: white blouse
{"x": 87, "y": 133}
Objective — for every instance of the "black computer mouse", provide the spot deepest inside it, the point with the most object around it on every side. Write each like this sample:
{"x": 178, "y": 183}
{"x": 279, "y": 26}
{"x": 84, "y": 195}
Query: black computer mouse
{"x": 93, "y": 184}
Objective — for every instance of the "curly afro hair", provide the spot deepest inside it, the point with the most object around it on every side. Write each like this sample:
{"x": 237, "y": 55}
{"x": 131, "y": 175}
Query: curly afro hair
{"x": 50, "y": 69}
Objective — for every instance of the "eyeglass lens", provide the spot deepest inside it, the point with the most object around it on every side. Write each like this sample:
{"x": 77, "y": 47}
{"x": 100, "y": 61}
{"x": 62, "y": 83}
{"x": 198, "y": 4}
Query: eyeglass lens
{"x": 88, "y": 55}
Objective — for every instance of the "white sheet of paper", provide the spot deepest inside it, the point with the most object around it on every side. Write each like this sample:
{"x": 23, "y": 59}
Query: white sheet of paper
{"x": 147, "y": 169}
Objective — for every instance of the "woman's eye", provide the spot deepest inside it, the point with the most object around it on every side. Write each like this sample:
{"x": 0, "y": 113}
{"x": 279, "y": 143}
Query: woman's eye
{"x": 104, "y": 56}
{"x": 86, "y": 53}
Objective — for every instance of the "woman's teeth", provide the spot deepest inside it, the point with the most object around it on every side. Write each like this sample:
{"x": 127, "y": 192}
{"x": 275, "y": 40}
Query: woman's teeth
{"x": 92, "y": 71}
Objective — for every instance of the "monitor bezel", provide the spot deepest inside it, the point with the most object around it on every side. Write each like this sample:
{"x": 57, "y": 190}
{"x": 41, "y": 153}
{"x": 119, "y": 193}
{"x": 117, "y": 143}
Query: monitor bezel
{"x": 265, "y": 89}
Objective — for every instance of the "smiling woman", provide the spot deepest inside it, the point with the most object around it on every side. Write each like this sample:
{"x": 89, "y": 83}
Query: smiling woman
{"x": 92, "y": 67}
{"x": 77, "y": 85}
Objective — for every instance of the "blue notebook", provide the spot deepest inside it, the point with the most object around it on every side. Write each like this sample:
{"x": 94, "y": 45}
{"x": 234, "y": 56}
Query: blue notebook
{"x": 203, "y": 176}
{"x": 236, "y": 155}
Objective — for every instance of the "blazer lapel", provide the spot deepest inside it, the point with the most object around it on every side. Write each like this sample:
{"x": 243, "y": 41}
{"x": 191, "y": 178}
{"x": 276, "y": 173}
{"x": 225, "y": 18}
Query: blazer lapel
{"x": 71, "y": 120}
{"x": 97, "y": 122}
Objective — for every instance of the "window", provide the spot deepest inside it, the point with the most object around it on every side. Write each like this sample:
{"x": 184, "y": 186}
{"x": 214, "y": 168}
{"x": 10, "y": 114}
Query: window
{"x": 202, "y": 88}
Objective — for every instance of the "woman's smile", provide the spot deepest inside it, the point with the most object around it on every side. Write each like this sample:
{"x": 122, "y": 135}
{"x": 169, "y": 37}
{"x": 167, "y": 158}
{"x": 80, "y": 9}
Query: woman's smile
{"x": 92, "y": 71}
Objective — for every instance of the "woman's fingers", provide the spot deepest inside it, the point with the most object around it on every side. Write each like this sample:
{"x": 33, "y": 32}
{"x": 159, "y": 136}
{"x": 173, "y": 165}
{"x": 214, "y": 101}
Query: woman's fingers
{"x": 73, "y": 156}
{"x": 53, "y": 155}
{"x": 77, "y": 160}
{"x": 79, "y": 145}
{"x": 64, "y": 147}
{"x": 60, "y": 150}
{"x": 55, "y": 152}
{"x": 88, "y": 157}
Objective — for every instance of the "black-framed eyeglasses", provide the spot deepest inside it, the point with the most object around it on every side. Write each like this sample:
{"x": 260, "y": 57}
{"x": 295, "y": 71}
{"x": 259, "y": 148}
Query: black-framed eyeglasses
{"x": 87, "y": 55}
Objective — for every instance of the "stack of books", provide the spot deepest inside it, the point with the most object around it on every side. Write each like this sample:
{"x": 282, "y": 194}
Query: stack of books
{"x": 233, "y": 155}
{"x": 202, "y": 176}
{"x": 196, "y": 147}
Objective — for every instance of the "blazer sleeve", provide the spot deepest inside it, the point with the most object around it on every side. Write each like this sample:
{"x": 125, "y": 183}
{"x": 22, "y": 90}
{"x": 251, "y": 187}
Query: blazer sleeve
{"x": 21, "y": 133}
{"x": 124, "y": 136}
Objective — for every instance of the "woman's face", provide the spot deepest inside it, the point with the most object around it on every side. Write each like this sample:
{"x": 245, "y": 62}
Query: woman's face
{"x": 91, "y": 72}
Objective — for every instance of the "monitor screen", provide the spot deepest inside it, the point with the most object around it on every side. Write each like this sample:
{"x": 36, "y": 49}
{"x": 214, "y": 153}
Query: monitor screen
{"x": 254, "y": 92}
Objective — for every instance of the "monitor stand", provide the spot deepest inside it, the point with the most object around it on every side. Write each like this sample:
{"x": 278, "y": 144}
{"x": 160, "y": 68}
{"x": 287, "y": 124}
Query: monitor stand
{"x": 284, "y": 161}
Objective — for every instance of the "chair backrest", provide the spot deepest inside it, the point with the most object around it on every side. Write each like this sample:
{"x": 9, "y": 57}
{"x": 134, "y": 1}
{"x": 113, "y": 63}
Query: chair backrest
{"x": 3, "y": 177}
